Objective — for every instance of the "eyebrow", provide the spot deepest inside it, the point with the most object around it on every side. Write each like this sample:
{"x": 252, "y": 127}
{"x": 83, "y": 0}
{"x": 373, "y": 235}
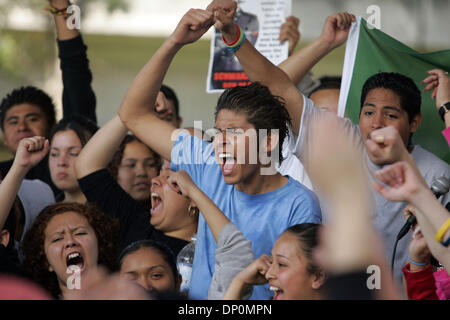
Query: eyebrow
{"x": 384, "y": 107}
{"x": 74, "y": 229}
{"x": 280, "y": 255}
{"x": 148, "y": 269}
{"x": 33, "y": 114}
{"x": 70, "y": 148}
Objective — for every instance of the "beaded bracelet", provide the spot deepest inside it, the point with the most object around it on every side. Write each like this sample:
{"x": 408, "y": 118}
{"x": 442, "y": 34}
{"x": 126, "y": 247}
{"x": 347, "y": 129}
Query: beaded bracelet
{"x": 420, "y": 264}
{"x": 59, "y": 12}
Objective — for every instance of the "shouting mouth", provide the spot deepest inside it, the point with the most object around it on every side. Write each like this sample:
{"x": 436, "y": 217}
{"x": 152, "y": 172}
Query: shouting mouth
{"x": 75, "y": 259}
{"x": 227, "y": 163}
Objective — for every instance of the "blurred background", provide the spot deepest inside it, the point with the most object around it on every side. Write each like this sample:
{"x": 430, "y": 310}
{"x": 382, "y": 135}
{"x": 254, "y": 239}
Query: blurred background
{"x": 123, "y": 34}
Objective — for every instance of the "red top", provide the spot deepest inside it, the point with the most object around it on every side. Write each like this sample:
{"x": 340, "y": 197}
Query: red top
{"x": 420, "y": 284}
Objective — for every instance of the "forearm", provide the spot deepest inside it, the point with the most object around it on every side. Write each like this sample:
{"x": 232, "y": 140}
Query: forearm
{"x": 258, "y": 68}
{"x": 141, "y": 96}
{"x": 236, "y": 290}
{"x": 438, "y": 251}
{"x": 9, "y": 188}
{"x": 297, "y": 66}
{"x": 214, "y": 217}
{"x": 64, "y": 33}
{"x": 447, "y": 119}
{"x": 431, "y": 208}
{"x": 100, "y": 149}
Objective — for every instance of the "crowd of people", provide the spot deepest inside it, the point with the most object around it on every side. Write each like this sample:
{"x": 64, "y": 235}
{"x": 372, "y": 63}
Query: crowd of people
{"x": 287, "y": 201}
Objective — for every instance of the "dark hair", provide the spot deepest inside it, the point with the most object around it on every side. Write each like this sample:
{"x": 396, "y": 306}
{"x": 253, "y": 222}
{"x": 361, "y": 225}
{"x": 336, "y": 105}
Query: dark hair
{"x": 308, "y": 239}
{"x": 117, "y": 158}
{"x": 35, "y": 261}
{"x": 403, "y": 86}
{"x": 262, "y": 109}
{"x": 170, "y": 95}
{"x": 31, "y": 95}
{"x": 326, "y": 83}
{"x": 83, "y": 127}
{"x": 163, "y": 249}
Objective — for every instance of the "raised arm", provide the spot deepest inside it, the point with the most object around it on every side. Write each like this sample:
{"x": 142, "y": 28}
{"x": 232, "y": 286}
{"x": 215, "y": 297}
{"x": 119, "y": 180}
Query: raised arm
{"x": 335, "y": 32}
{"x": 78, "y": 96}
{"x": 29, "y": 153}
{"x": 136, "y": 109}
{"x": 403, "y": 184}
{"x": 100, "y": 149}
{"x": 439, "y": 82}
{"x": 257, "y": 67}
{"x": 182, "y": 183}
{"x": 234, "y": 252}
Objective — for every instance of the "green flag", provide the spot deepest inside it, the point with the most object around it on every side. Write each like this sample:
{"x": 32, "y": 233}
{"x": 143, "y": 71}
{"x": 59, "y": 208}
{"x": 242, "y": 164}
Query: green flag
{"x": 370, "y": 51}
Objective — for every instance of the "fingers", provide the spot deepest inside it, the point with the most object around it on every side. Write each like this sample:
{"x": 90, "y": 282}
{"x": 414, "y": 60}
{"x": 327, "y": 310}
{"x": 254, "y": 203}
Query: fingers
{"x": 343, "y": 20}
{"x": 172, "y": 182}
{"x": 34, "y": 144}
{"x": 198, "y": 19}
{"x": 408, "y": 211}
{"x": 392, "y": 175}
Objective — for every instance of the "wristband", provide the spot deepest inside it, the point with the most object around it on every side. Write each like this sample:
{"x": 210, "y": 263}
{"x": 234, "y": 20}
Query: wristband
{"x": 235, "y": 40}
{"x": 446, "y": 243}
{"x": 417, "y": 263}
{"x": 59, "y": 12}
{"x": 238, "y": 44}
{"x": 440, "y": 234}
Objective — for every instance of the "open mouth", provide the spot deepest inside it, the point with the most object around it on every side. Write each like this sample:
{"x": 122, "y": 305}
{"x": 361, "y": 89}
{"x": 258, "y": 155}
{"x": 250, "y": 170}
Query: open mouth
{"x": 156, "y": 202}
{"x": 227, "y": 163}
{"x": 75, "y": 259}
{"x": 278, "y": 293}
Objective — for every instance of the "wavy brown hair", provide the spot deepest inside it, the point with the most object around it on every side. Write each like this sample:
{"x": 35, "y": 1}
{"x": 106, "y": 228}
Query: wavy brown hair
{"x": 35, "y": 261}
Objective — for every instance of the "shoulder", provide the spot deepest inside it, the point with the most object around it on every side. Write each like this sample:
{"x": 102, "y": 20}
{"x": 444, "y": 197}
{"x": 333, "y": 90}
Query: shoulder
{"x": 428, "y": 162}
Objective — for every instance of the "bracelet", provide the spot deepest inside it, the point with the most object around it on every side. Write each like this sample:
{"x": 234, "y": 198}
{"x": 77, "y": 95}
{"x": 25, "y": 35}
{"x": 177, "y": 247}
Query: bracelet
{"x": 440, "y": 234}
{"x": 420, "y": 264}
{"x": 238, "y": 45}
{"x": 59, "y": 12}
{"x": 235, "y": 40}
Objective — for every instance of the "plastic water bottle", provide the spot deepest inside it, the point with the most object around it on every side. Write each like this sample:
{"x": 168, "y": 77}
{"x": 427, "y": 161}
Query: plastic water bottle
{"x": 185, "y": 259}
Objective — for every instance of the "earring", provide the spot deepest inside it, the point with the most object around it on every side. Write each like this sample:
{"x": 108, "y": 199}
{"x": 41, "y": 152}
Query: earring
{"x": 192, "y": 211}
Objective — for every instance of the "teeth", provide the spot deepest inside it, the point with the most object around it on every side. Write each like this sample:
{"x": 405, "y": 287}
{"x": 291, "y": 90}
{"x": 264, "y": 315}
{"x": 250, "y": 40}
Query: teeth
{"x": 274, "y": 288}
{"x": 225, "y": 155}
{"x": 155, "y": 195}
{"x": 73, "y": 255}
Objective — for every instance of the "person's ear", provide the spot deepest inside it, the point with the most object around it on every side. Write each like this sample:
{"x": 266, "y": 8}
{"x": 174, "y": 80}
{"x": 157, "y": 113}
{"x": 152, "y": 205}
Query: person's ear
{"x": 4, "y": 237}
{"x": 178, "y": 281}
{"x": 270, "y": 141}
{"x": 318, "y": 279}
{"x": 179, "y": 122}
{"x": 415, "y": 123}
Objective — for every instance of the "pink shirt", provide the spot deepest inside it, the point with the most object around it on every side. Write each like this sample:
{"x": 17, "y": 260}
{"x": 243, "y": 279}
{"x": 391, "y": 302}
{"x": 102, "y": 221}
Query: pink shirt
{"x": 446, "y": 134}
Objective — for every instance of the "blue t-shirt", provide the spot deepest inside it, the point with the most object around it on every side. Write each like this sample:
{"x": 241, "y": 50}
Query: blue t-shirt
{"x": 262, "y": 218}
